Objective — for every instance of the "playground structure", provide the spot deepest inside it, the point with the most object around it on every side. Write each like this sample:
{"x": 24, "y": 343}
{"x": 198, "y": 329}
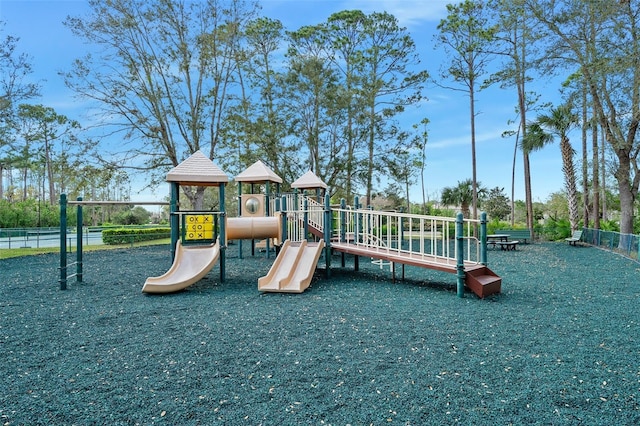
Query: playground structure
{"x": 305, "y": 227}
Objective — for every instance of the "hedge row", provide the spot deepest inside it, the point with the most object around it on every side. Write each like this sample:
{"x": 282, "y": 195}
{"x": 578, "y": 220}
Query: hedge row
{"x": 127, "y": 236}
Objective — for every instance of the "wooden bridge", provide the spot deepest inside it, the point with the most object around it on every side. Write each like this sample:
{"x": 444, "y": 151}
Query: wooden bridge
{"x": 434, "y": 242}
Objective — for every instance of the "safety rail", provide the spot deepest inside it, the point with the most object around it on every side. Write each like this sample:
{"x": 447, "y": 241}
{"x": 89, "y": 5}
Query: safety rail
{"x": 429, "y": 238}
{"x": 426, "y": 238}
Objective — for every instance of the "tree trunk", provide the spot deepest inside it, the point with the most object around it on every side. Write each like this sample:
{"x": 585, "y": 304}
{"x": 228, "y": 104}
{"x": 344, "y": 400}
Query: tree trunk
{"x": 596, "y": 179}
{"x": 371, "y": 132}
{"x": 627, "y": 197}
{"x": 570, "y": 181}
{"x": 604, "y": 178}
{"x": 585, "y": 158}
{"x": 49, "y": 166}
{"x": 474, "y": 173}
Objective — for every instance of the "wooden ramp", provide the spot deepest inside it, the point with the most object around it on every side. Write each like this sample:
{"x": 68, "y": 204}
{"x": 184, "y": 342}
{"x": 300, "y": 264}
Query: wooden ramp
{"x": 478, "y": 278}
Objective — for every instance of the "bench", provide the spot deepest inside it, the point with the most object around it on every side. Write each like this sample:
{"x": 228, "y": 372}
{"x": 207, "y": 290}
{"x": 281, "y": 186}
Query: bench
{"x": 515, "y": 234}
{"x": 574, "y": 238}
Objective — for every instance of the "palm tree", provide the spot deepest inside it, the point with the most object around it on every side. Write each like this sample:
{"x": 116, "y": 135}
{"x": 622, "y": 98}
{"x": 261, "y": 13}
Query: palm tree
{"x": 543, "y": 131}
{"x": 461, "y": 195}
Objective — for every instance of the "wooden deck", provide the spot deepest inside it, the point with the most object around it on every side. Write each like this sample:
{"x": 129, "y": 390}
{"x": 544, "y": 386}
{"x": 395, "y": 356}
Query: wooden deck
{"x": 413, "y": 259}
{"x": 478, "y": 278}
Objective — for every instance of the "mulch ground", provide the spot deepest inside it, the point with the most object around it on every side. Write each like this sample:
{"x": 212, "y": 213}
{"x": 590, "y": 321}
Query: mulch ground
{"x": 558, "y": 346}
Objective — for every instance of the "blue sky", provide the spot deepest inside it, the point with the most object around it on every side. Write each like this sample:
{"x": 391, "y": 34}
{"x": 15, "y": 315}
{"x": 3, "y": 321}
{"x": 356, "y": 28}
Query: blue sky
{"x": 38, "y": 24}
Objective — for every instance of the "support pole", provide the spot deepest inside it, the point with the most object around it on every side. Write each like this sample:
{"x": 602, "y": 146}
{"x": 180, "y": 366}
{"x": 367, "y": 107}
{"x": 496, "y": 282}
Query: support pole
{"x": 343, "y": 227}
{"x": 223, "y": 235}
{"x": 328, "y": 231}
{"x": 305, "y": 220}
{"x": 174, "y": 220}
{"x": 356, "y": 232}
{"x": 483, "y": 238}
{"x": 240, "y": 207}
{"x": 283, "y": 217}
{"x": 63, "y": 242}
{"x": 267, "y": 209}
{"x": 79, "y": 226}
{"x": 460, "y": 254}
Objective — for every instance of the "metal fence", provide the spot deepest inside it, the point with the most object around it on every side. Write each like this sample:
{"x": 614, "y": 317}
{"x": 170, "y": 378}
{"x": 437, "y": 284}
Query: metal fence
{"x": 625, "y": 244}
{"x": 13, "y": 238}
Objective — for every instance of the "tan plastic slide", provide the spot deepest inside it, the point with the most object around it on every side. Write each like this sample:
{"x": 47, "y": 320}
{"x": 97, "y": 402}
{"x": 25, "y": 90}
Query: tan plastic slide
{"x": 293, "y": 269}
{"x": 190, "y": 265}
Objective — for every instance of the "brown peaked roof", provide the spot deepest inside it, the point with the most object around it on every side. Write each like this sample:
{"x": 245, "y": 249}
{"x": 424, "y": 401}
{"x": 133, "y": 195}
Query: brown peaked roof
{"x": 309, "y": 180}
{"x": 258, "y": 172}
{"x": 197, "y": 170}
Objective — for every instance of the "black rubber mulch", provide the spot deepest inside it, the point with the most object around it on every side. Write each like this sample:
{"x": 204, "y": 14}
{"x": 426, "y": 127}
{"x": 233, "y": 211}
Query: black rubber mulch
{"x": 559, "y": 345}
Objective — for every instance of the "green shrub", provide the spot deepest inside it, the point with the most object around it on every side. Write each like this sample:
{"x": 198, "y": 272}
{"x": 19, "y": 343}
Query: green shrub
{"x": 554, "y": 230}
{"x": 131, "y": 235}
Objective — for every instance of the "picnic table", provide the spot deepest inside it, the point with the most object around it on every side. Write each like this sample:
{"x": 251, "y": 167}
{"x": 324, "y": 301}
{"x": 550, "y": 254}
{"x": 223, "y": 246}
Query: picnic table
{"x": 501, "y": 240}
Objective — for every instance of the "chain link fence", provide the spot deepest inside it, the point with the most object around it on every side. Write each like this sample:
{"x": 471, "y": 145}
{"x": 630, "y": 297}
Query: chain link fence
{"x": 625, "y": 244}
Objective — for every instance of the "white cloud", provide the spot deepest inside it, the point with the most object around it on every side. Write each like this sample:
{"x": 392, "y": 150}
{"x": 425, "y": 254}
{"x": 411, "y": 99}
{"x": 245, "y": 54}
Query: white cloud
{"x": 410, "y": 13}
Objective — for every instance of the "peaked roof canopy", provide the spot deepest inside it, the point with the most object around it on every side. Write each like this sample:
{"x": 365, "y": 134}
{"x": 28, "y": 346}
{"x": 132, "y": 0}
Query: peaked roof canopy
{"x": 258, "y": 172}
{"x": 197, "y": 170}
{"x": 309, "y": 180}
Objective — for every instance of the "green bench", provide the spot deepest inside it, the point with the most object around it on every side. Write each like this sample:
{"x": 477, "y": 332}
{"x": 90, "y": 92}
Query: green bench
{"x": 574, "y": 238}
{"x": 515, "y": 234}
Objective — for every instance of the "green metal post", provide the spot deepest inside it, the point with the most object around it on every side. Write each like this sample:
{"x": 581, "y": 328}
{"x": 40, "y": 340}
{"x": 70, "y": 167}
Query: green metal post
{"x": 305, "y": 215}
{"x": 460, "y": 254}
{"x": 285, "y": 231}
{"x": 328, "y": 231}
{"x": 63, "y": 241}
{"x": 343, "y": 227}
{"x": 223, "y": 235}
{"x": 79, "y": 225}
{"x": 356, "y": 231}
{"x": 174, "y": 220}
{"x": 343, "y": 219}
{"x": 483, "y": 238}
{"x": 240, "y": 206}
{"x": 267, "y": 209}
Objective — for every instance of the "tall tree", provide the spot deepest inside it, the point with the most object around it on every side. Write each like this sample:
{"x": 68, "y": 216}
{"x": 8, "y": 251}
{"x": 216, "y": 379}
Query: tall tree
{"x": 317, "y": 105}
{"x": 15, "y": 88}
{"x": 466, "y": 36}
{"x": 420, "y": 141}
{"x": 612, "y": 73}
{"x": 163, "y": 73}
{"x": 264, "y": 38}
{"x": 516, "y": 35}
{"x": 558, "y": 123}
{"x": 345, "y": 36}
{"x": 389, "y": 82}
{"x": 497, "y": 204}
{"x": 51, "y": 139}
{"x": 403, "y": 161}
